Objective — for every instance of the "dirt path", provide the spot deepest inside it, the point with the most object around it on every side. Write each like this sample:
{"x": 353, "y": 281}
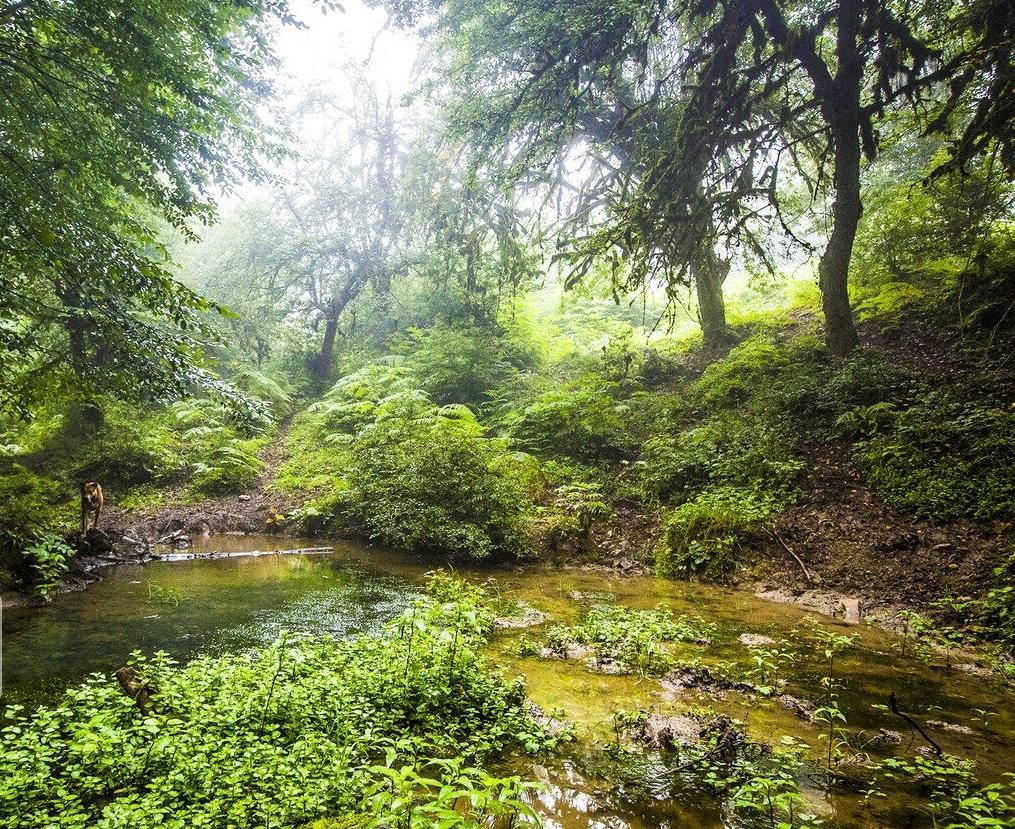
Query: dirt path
{"x": 261, "y": 509}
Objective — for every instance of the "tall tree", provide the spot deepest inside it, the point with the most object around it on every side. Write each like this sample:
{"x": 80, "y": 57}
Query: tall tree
{"x": 115, "y": 118}
{"x": 763, "y": 84}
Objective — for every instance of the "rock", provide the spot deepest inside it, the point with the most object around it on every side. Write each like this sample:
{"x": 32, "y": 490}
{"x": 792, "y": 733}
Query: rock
{"x": 526, "y": 618}
{"x": 851, "y": 611}
{"x": 606, "y": 665}
{"x": 954, "y": 728}
{"x": 803, "y": 708}
{"x": 755, "y": 640}
{"x": 886, "y": 737}
{"x": 668, "y": 733}
{"x": 701, "y": 679}
{"x": 572, "y": 650}
{"x": 243, "y": 498}
{"x": 551, "y": 725}
{"x": 200, "y": 527}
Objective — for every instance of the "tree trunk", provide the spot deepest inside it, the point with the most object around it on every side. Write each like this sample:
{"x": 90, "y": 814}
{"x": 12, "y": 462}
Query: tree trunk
{"x": 843, "y": 113}
{"x": 326, "y": 357}
{"x": 709, "y": 272}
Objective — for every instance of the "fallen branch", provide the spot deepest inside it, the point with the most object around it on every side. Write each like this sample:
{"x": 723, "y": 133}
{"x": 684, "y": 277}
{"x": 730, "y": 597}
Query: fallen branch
{"x": 796, "y": 558}
{"x": 893, "y": 706}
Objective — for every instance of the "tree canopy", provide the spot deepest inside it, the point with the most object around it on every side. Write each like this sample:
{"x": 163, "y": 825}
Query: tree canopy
{"x": 118, "y": 119}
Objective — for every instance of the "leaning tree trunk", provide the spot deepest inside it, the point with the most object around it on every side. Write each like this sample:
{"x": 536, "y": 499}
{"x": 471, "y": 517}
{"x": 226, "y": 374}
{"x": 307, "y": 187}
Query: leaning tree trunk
{"x": 842, "y": 109}
{"x": 833, "y": 269}
{"x": 709, "y": 272}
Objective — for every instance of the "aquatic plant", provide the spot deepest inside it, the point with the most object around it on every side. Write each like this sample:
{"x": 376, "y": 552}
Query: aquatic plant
{"x": 632, "y": 639}
{"x": 387, "y": 726}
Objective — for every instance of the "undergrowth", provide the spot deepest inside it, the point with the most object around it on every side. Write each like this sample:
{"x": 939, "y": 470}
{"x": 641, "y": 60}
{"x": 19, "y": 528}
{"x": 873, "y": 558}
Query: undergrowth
{"x": 378, "y": 731}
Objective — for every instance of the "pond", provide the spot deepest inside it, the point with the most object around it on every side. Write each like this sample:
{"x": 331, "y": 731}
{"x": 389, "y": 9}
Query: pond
{"x": 221, "y": 604}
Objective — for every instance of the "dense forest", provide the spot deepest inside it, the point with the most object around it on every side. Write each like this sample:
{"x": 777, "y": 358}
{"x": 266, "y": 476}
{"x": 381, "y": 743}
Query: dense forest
{"x": 660, "y": 352}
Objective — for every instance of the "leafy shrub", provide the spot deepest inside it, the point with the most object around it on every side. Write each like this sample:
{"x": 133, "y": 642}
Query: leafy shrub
{"x": 939, "y": 457}
{"x": 994, "y": 612}
{"x": 425, "y": 481}
{"x": 702, "y": 537}
{"x": 726, "y": 450}
{"x": 748, "y": 368}
{"x": 264, "y": 388}
{"x": 48, "y": 559}
{"x": 132, "y": 447}
{"x": 823, "y": 391}
{"x": 232, "y": 466}
{"x": 457, "y": 365}
{"x": 243, "y": 739}
{"x": 35, "y": 508}
{"x": 578, "y": 419}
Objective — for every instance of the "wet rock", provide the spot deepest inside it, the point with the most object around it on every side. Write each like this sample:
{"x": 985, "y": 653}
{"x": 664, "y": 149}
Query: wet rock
{"x": 954, "y": 728}
{"x": 886, "y": 737}
{"x": 200, "y": 527}
{"x": 827, "y": 602}
{"x": 551, "y": 725}
{"x": 975, "y": 670}
{"x": 755, "y": 640}
{"x": 850, "y": 610}
{"x": 526, "y": 617}
{"x": 607, "y": 665}
{"x": 668, "y": 733}
{"x": 803, "y": 708}
{"x": 572, "y": 650}
{"x": 701, "y": 679}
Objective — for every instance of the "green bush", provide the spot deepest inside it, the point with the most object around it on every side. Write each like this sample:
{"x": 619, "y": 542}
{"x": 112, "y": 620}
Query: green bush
{"x": 703, "y": 536}
{"x": 427, "y": 482}
{"x": 458, "y": 365}
{"x": 994, "y": 612}
{"x": 48, "y": 559}
{"x": 633, "y": 638}
{"x": 302, "y": 730}
{"x": 725, "y": 450}
{"x": 579, "y": 419}
{"x": 748, "y": 369}
{"x": 36, "y": 509}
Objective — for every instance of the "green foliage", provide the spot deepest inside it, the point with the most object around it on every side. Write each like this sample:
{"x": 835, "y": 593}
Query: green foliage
{"x": 703, "y": 536}
{"x": 574, "y": 509}
{"x": 457, "y": 365}
{"x": 634, "y": 639}
{"x": 767, "y": 789}
{"x": 938, "y": 457}
{"x": 747, "y": 370}
{"x": 994, "y": 612}
{"x": 396, "y": 721}
{"x": 105, "y": 145}
{"x": 381, "y": 457}
{"x": 726, "y": 450}
{"x": 48, "y": 559}
{"x": 36, "y": 507}
{"x": 425, "y": 482}
{"x": 578, "y": 419}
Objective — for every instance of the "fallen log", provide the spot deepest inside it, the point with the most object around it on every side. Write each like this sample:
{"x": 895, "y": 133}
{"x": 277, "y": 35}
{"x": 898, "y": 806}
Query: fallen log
{"x": 203, "y": 554}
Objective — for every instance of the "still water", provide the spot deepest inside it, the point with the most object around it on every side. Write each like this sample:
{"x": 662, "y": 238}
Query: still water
{"x": 221, "y": 604}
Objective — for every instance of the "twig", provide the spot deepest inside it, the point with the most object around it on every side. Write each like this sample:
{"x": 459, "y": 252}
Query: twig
{"x": 796, "y": 558}
{"x": 893, "y": 706}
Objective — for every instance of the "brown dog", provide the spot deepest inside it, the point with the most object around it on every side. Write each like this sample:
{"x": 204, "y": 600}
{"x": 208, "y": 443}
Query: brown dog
{"x": 91, "y": 504}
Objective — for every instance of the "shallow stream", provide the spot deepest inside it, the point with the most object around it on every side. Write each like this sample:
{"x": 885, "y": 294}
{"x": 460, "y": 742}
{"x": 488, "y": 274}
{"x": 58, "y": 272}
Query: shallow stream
{"x": 215, "y": 605}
